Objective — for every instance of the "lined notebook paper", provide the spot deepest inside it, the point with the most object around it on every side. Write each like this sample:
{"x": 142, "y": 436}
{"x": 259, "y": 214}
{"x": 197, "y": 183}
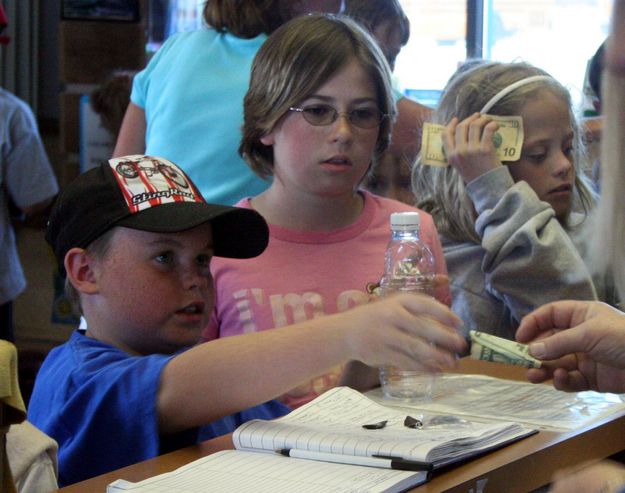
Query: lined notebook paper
{"x": 333, "y": 422}
{"x": 250, "y": 472}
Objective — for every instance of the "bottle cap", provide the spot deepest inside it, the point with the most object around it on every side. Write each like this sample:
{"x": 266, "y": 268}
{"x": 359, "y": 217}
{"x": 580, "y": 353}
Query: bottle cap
{"x": 406, "y": 219}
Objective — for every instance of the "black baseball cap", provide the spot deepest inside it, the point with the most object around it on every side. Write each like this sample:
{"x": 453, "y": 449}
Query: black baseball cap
{"x": 150, "y": 194}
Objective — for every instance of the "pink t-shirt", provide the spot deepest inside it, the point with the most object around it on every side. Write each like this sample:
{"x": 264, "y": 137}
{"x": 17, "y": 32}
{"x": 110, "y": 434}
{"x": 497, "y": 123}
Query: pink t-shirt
{"x": 303, "y": 275}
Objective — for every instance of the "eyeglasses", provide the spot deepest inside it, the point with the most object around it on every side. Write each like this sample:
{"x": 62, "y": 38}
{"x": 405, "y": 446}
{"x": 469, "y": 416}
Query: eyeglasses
{"x": 324, "y": 114}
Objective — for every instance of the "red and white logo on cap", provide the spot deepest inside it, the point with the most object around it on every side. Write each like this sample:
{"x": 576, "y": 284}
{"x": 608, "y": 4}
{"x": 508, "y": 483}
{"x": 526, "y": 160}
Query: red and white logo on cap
{"x": 147, "y": 181}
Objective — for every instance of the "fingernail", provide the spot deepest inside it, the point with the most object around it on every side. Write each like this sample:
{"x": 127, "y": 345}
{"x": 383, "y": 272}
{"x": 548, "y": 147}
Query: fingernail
{"x": 537, "y": 349}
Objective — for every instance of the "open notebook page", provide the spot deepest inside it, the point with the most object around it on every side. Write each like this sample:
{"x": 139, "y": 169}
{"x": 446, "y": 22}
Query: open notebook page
{"x": 252, "y": 472}
{"x": 333, "y": 423}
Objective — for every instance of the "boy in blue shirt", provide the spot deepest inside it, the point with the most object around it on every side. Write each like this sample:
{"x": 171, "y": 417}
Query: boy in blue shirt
{"x": 135, "y": 240}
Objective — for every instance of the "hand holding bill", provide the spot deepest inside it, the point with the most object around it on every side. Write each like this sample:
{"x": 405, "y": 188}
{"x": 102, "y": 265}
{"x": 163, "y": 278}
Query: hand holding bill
{"x": 469, "y": 146}
{"x": 581, "y": 344}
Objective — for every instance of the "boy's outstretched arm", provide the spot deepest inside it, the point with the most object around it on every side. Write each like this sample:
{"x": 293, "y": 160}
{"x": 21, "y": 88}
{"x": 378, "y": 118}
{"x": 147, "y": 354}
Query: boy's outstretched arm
{"x": 220, "y": 377}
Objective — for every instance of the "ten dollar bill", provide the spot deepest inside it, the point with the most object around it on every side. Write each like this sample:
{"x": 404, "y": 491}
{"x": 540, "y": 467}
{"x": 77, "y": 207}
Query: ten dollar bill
{"x": 508, "y": 140}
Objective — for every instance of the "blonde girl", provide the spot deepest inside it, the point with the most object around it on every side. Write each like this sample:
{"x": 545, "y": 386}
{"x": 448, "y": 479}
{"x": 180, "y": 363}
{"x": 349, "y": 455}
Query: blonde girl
{"x": 510, "y": 231}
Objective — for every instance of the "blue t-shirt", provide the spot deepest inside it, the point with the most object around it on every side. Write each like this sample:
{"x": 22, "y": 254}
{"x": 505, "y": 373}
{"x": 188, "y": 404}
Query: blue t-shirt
{"x": 192, "y": 93}
{"x": 99, "y": 403}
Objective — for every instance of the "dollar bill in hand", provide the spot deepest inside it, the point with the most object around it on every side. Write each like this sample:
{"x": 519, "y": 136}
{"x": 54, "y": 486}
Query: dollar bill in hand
{"x": 488, "y": 347}
{"x": 508, "y": 141}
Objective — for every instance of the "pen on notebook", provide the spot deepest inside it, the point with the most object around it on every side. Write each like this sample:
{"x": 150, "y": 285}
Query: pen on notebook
{"x": 410, "y": 465}
{"x": 385, "y": 462}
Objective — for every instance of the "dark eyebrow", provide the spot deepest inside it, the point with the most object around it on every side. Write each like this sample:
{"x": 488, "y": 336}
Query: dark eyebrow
{"x": 329, "y": 99}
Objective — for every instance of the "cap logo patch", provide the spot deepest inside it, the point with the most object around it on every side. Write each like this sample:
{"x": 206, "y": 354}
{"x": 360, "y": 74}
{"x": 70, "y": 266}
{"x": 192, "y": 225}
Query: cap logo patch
{"x": 146, "y": 181}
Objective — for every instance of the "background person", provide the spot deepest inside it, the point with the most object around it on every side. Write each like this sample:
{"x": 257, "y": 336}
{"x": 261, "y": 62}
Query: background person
{"x": 27, "y": 187}
{"x": 592, "y": 120}
{"x": 187, "y": 104}
{"x": 110, "y": 100}
{"x": 389, "y": 25}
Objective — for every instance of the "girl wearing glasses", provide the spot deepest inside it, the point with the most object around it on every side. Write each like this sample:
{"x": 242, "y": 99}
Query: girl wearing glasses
{"x": 318, "y": 112}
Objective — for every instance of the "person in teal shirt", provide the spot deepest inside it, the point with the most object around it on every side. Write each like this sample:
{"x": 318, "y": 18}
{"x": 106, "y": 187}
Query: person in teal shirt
{"x": 187, "y": 104}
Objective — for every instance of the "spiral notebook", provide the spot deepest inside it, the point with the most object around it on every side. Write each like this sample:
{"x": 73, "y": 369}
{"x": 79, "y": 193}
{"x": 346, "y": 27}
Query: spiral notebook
{"x": 342, "y": 423}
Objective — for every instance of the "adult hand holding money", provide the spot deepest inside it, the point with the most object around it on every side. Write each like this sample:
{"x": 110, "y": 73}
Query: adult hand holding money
{"x": 473, "y": 146}
{"x": 488, "y": 347}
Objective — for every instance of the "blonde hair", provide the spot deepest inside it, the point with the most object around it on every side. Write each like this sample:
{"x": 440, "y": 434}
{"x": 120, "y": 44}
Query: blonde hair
{"x": 441, "y": 191}
{"x": 293, "y": 63}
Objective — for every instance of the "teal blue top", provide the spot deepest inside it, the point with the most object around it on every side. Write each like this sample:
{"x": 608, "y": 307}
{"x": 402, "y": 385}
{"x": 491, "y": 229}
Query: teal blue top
{"x": 192, "y": 93}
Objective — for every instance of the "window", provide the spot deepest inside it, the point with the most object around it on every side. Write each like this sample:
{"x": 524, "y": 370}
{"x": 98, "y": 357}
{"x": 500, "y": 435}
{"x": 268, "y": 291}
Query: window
{"x": 436, "y": 46}
{"x": 556, "y": 35}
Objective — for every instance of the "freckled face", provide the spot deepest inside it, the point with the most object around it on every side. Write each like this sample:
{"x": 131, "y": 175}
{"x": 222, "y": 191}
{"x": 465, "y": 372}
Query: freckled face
{"x": 546, "y": 162}
{"x": 329, "y": 159}
{"x": 156, "y": 289}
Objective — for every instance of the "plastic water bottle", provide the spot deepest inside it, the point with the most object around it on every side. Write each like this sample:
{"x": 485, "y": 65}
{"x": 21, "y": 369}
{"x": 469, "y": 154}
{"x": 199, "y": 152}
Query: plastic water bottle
{"x": 409, "y": 267}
